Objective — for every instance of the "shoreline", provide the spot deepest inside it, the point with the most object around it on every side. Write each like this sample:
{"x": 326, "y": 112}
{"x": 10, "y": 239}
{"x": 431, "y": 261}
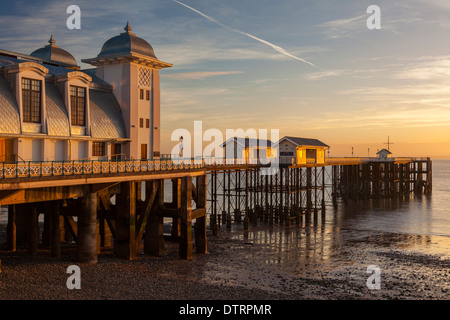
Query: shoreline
{"x": 264, "y": 263}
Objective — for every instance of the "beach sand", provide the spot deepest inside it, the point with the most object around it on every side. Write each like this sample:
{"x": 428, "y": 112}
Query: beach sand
{"x": 264, "y": 263}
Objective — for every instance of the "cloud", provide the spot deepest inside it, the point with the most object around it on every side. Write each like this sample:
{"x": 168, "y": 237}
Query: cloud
{"x": 200, "y": 75}
{"x": 344, "y": 27}
{"x": 275, "y": 47}
{"x": 434, "y": 68}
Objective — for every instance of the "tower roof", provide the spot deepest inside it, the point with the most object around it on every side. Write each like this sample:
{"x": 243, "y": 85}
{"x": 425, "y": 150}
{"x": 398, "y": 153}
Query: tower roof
{"x": 125, "y": 43}
{"x": 54, "y": 53}
{"x": 127, "y": 47}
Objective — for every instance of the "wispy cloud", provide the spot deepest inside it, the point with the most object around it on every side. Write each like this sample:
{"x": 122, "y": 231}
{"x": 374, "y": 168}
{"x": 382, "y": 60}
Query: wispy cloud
{"x": 344, "y": 27}
{"x": 275, "y": 47}
{"x": 199, "y": 75}
{"x": 432, "y": 68}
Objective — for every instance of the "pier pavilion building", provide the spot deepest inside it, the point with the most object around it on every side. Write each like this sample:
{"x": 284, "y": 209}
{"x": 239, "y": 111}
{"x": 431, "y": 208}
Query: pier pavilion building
{"x": 52, "y": 110}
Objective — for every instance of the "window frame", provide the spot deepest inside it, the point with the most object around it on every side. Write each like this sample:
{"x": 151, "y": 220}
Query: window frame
{"x": 98, "y": 149}
{"x": 77, "y": 118}
{"x": 31, "y": 100}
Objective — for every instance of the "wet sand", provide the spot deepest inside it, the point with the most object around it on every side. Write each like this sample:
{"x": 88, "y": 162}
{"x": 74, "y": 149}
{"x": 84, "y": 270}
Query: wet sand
{"x": 316, "y": 262}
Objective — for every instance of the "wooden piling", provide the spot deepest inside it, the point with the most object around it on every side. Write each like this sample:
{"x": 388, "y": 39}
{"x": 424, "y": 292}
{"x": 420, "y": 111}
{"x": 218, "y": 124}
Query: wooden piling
{"x": 11, "y": 229}
{"x": 125, "y": 222}
{"x": 152, "y": 221}
{"x": 185, "y": 245}
{"x": 87, "y": 230}
{"x": 55, "y": 236}
{"x": 33, "y": 229}
{"x": 201, "y": 242}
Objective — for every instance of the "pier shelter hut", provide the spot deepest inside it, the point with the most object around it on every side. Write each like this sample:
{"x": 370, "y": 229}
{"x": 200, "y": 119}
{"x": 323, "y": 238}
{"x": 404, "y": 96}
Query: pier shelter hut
{"x": 297, "y": 150}
{"x": 247, "y": 149}
{"x": 384, "y": 155}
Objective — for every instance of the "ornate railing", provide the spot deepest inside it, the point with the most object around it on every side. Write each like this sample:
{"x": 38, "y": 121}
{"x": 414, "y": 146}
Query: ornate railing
{"x": 26, "y": 169}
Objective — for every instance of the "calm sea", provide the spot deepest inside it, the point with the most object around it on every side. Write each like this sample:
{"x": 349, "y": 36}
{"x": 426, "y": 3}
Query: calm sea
{"x": 423, "y": 215}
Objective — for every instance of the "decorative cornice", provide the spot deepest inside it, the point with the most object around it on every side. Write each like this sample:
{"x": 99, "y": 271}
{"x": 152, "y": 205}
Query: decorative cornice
{"x": 74, "y": 75}
{"x": 27, "y": 66}
{"x": 130, "y": 57}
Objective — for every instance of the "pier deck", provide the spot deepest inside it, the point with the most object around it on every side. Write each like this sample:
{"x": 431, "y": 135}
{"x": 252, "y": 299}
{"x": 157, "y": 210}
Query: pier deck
{"x": 121, "y": 204}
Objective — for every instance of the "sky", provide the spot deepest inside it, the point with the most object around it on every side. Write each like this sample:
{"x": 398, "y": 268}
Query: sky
{"x": 308, "y": 68}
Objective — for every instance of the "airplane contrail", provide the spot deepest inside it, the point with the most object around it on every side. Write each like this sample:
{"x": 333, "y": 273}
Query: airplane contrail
{"x": 275, "y": 47}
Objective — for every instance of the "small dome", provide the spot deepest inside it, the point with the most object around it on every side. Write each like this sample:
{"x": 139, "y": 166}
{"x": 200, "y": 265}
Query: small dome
{"x": 126, "y": 43}
{"x": 54, "y": 53}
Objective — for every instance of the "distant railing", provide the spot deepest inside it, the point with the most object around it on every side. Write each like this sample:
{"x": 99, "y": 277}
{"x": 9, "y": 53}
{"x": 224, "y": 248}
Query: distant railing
{"x": 351, "y": 160}
{"x": 26, "y": 169}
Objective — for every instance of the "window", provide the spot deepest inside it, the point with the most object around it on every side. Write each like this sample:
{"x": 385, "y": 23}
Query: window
{"x": 147, "y": 95}
{"x": 141, "y": 94}
{"x": 31, "y": 100}
{"x": 116, "y": 151}
{"x": 141, "y": 123}
{"x": 143, "y": 151}
{"x": 98, "y": 149}
{"x": 78, "y": 105}
{"x": 147, "y": 123}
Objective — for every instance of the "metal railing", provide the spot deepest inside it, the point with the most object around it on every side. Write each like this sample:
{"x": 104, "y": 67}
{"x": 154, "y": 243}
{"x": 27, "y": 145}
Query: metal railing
{"x": 27, "y": 169}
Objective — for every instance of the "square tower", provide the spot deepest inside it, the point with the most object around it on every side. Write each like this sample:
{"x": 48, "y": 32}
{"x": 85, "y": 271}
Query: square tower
{"x": 129, "y": 64}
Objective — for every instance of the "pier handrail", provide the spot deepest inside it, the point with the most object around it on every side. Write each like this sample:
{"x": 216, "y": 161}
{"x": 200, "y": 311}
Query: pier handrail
{"x": 27, "y": 169}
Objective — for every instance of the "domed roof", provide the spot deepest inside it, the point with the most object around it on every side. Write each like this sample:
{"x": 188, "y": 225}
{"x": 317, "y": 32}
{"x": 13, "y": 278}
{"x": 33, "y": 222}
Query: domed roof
{"x": 125, "y": 43}
{"x": 54, "y": 53}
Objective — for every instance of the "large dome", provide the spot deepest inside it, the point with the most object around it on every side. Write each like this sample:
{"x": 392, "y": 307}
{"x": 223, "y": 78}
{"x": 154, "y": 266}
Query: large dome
{"x": 54, "y": 53}
{"x": 127, "y": 43}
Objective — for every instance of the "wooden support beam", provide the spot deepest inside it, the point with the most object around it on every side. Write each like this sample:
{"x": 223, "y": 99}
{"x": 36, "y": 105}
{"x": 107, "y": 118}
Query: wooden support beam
{"x": 185, "y": 249}
{"x": 154, "y": 232}
{"x": 71, "y": 227}
{"x": 201, "y": 243}
{"x": 11, "y": 243}
{"x": 176, "y": 204}
{"x": 125, "y": 223}
{"x": 41, "y": 194}
{"x": 151, "y": 190}
{"x": 194, "y": 192}
{"x": 87, "y": 230}
{"x": 33, "y": 230}
{"x": 55, "y": 230}
{"x": 99, "y": 187}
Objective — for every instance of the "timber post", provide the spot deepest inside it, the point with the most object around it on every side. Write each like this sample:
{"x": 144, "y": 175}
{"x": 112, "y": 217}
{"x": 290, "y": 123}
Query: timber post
{"x": 185, "y": 245}
{"x": 151, "y": 220}
{"x": 87, "y": 229}
{"x": 125, "y": 224}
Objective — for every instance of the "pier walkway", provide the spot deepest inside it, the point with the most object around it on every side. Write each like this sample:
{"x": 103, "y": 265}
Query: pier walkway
{"x": 122, "y": 203}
